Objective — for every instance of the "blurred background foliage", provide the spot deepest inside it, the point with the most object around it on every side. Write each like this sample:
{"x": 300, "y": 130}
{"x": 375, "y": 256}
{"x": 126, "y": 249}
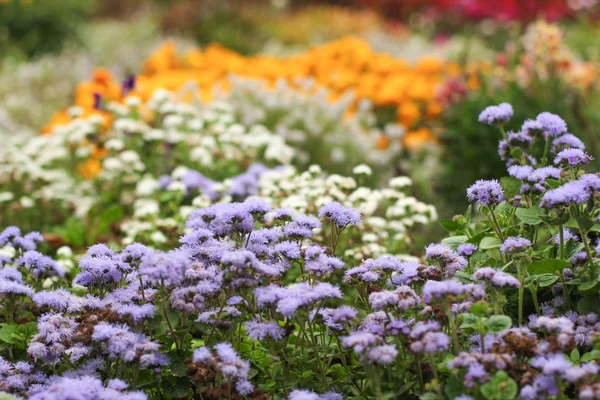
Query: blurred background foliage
{"x": 47, "y": 47}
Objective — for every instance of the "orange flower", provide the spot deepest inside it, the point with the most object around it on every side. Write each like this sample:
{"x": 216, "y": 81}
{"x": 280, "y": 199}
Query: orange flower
{"x": 415, "y": 140}
{"x": 90, "y": 168}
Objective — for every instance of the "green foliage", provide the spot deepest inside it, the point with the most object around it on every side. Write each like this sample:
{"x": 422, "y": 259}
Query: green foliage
{"x": 31, "y": 27}
{"x": 466, "y": 141}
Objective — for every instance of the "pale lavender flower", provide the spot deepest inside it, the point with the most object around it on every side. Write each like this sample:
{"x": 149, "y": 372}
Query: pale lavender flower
{"x": 515, "y": 244}
{"x": 552, "y": 124}
{"x": 258, "y": 330}
{"x": 340, "y": 215}
{"x": 496, "y": 114}
{"x": 485, "y": 192}
{"x": 572, "y": 157}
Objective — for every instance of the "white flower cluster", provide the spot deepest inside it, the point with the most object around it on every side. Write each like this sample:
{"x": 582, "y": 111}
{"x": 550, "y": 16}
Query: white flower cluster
{"x": 81, "y": 164}
{"x": 320, "y": 128}
{"x": 387, "y": 213}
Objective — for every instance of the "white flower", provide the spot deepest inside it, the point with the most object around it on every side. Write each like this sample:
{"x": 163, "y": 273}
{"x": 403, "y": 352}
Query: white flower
{"x": 362, "y": 169}
{"x": 8, "y": 251}
{"x": 64, "y": 251}
{"x": 158, "y": 237}
{"x": 27, "y": 202}
{"x": 400, "y": 182}
{"x": 133, "y": 101}
{"x": 75, "y": 111}
{"x": 176, "y": 187}
{"x": 145, "y": 207}
{"x": 146, "y": 187}
{"x": 6, "y": 196}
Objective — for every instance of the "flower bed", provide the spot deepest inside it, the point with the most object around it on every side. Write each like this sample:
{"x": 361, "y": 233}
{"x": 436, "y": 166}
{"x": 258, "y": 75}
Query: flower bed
{"x": 258, "y": 300}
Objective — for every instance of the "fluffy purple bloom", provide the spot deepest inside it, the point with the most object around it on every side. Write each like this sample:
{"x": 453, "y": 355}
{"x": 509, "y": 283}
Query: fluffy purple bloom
{"x": 360, "y": 341}
{"x": 485, "y": 192}
{"x": 567, "y": 141}
{"x": 532, "y": 127}
{"x": 515, "y": 244}
{"x": 496, "y": 114}
{"x": 403, "y": 297}
{"x": 521, "y": 172}
{"x": 572, "y": 157}
{"x": 520, "y": 139}
{"x": 59, "y": 300}
{"x": 84, "y": 387}
{"x": 39, "y": 265}
{"x": 8, "y": 234}
{"x": 340, "y": 215}
{"x": 433, "y": 290}
{"x": 540, "y": 174}
{"x": 466, "y": 249}
{"x": 383, "y": 355}
{"x": 228, "y": 364}
{"x": 258, "y": 330}
{"x": 496, "y": 277}
{"x": 552, "y": 124}
{"x": 578, "y": 192}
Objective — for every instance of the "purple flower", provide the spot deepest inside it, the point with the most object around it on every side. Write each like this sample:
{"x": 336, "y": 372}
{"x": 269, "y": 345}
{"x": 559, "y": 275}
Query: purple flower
{"x": 515, "y": 244}
{"x": 521, "y": 172}
{"x": 38, "y": 264}
{"x": 540, "y": 174}
{"x": 433, "y": 290}
{"x": 552, "y": 124}
{"x": 578, "y": 192}
{"x": 496, "y": 277}
{"x": 258, "y": 330}
{"x": 228, "y": 364}
{"x": 84, "y": 387}
{"x": 404, "y": 298}
{"x": 383, "y": 355}
{"x": 496, "y": 114}
{"x": 59, "y": 300}
{"x": 9, "y": 234}
{"x": 567, "y": 141}
{"x": 572, "y": 157}
{"x": 485, "y": 192}
{"x": 466, "y": 249}
{"x": 520, "y": 139}
{"x": 340, "y": 215}
{"x": 532, "y": 127}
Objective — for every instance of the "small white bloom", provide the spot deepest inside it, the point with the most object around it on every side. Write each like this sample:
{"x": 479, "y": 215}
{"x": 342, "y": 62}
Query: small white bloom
{"x": 362, "y": 169}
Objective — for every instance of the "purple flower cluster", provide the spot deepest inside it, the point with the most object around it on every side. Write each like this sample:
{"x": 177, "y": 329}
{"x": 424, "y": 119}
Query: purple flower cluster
{"x": 515, "y": 244}
{"x": 450, "y": 260}
{"x": 499, "y": 114}
{"x": 225, "y": 361}
{"x": 485, "y": 192}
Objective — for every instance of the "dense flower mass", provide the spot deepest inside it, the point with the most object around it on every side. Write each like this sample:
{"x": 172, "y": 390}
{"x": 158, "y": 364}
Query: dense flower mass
{"x": 218, "y": 226}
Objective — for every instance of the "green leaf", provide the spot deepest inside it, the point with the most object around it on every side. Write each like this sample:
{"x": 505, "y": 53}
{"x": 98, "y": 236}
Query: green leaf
{"x": 501, "y": 387}
{"x": 450, "y": 225}
{"x": 489, "y": 242}
{"x": 454, "y": 241}
{"x": 588, "y": 304}
{"x": 588, "y": 287}
{"x": 553, "y": 183}
{"x": 591, "y": 355}
{"x": 575, "y": 356}
{"x": 8, "y": 334}
{"x": 548, "y": 266}
{"x": 516, "y": 152}
{"x": 511, "y": 186}
{"x": 6, "y": 396}
{"x": 545, "y": 280}
{"x": 530, "y": 216}
{"x": 498, "y": 323}
{"x": 475, "y": 239}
